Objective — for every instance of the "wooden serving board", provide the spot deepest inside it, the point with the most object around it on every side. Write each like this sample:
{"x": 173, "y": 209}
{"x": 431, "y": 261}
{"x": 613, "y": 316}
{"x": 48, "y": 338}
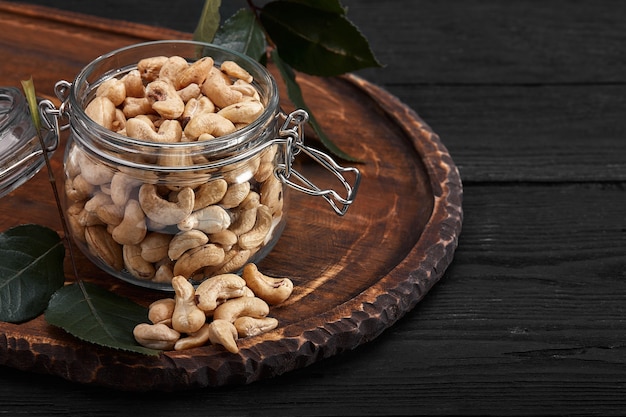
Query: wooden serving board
{"x": 354, "y": 276}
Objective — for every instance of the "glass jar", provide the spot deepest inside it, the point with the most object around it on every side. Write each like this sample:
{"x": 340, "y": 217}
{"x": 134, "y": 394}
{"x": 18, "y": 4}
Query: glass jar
{"x": 145, "y": 211}
{"x": 21, "y": 155}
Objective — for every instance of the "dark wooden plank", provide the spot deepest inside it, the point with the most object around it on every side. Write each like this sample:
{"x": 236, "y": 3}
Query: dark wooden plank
{"x": 521, "y": 324}
{"x": 518, "y": 133}
{"x": 450, "y": 41}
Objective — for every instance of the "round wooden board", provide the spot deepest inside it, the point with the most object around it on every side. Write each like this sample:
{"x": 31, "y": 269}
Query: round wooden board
{"x": 354, "y": 276}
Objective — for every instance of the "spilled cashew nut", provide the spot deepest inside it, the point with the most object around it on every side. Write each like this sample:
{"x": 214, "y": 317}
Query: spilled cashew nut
{"x": 218, "y": 288}
{"x": 250, "y": 326}
{"x": 231, "y": 309}
{"x": 271, "y": 290}
{"x": 187, "y": 317}
{"x": 222, "y": 332}
{"x": 161, "y": 311}
{"x": 193, "y": 340}
{"x": 156, "y": 336}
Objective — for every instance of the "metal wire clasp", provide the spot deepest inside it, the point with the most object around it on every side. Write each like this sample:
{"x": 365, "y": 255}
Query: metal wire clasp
{"x": 293, "y": 132}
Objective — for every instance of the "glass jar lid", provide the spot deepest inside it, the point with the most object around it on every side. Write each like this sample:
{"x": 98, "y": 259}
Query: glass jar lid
{"x": 21, "y": 155}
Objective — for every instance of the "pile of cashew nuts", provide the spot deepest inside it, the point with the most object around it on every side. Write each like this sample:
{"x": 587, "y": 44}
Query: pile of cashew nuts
{"x": 155, "y": 231}
{"x": 220, "y": 310}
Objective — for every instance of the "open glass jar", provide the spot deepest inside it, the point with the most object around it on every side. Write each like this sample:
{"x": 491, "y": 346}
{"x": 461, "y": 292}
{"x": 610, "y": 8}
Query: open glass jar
{"x": 146, "y": 210}
{"x": 21, "y": 154}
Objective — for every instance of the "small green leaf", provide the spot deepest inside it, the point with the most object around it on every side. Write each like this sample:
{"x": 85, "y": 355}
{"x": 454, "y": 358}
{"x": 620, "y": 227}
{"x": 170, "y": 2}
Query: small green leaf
{"x": 316, "y": 41}
{"x": 242, "y": 33}
{"x": 209, "y": 21}
{"x": 31, "y": 98}
{"x": 31, "y": 269}
{"x": 98, "y": 316}
{"x": 295, "y": 95}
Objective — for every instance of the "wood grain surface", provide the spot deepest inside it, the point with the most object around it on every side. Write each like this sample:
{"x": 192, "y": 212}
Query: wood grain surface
{"x": 529, "y": 98}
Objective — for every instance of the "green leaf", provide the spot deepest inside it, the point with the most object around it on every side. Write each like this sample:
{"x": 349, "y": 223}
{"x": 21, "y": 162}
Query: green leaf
{"x": 242, "y": 33}
{"x": 209, "y": 21}
{"x": 31, "y": 269}
{"x": 98, "y": 316}
{"x": 31, "y": 98}
{"x": 314, "y": 40}
{"x": 295, "y": 95}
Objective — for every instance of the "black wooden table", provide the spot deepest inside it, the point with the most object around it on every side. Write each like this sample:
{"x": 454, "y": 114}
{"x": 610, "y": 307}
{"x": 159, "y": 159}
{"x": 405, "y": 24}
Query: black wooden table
{"x": 530, "y": 318}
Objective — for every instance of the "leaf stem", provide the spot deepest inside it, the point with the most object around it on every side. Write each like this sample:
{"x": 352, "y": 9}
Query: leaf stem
{"x": 31, "y": 97}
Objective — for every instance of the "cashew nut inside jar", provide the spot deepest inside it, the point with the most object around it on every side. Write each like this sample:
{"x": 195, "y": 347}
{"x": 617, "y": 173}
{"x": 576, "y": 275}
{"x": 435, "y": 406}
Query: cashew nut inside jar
{"x": 178, "y": 163}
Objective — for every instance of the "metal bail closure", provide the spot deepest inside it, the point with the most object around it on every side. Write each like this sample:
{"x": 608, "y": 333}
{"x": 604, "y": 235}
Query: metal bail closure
{"x": 292, "y": 131}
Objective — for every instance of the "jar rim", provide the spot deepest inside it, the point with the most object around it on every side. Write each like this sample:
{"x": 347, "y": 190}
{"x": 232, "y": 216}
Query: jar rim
{"x": 217, "y": 145}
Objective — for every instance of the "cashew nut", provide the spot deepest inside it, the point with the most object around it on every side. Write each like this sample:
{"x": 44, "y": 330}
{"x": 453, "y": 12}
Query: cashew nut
{"x": 133, "y": 227}
{"x": 234, "y": 259}
{"x": 135, "y": 106}
{"x": 216, "y": 88}
{"x": 156, "y": 336}
{"x": 235, "y": 194}
{"x": 250, "y": 326}
{"x": 110, "y": 214}
{"x": 103, "y": 247}
{"x": 192, "y": 91}
{"x": 244, "y": 221}
{"x": 272, "y": 194}
{"x": 113, "y": 89}
{"x": 271, "y": 290}
{"x": 155, "y": 246}
{"x": 210, "y": 193}
{"x": 207, "y": 122}
{"x": 133, "y": 85}
{"x": 243, "y": 112}
{"x": 172, "y": 67}
{"x": 184, "y": 241}
{"x": 218, "y": 288}
{"x": 170, "y": 131}
{"x": 161, "y": 311}
{"x": 187, "y": 317}
{"x": 78, "y": 188}
{"x": 211, "y": 219}
{"x": 231, "y": 309}
{"x": 102, "y": 111}
{"x": 163, "y": 211}
{"x": 195, "y": 73}
{"x": 233, "y": 69}
{"x": 222, "y": 332}
{"x": 149, "y": 68}
{"x": 256, "y": 236}
{"x": 164, "y": 99}
{"x": 135, "y": 264}
{"x": 122, "y": 186}
{"x": 195, "y": 259}
{"x": 224, "y": 238}
{"x": 195, "y": 339}
{"x": 94, "y": 173}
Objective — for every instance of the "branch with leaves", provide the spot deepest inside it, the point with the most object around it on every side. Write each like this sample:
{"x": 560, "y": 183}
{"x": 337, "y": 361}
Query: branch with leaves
{"x": 314, "y": 37}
